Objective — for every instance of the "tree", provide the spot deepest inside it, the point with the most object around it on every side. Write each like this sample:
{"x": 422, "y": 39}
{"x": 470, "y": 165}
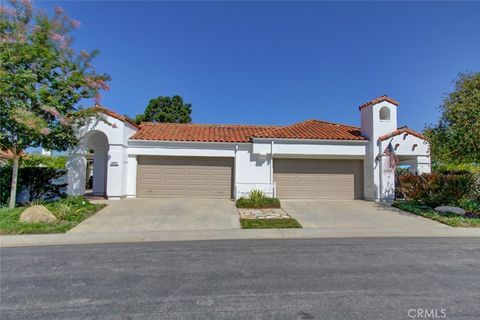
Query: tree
{"x": 41, "y": 81}
{"x": 456, "y": 137}
{"x": 166, "y": 109}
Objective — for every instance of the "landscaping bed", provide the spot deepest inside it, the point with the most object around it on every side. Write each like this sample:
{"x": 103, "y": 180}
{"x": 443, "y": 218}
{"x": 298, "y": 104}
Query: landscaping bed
{"x": 470, "y": 219}
{"x": 261, "y": 212}
{"x": 451, "y": 197}
{"x": 69, "y": 212}
{"x": 264, "y": 203}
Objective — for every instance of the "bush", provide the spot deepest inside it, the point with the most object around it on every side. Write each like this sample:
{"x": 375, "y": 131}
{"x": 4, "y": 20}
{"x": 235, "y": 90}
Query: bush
{"x": 441, "y": 188}
{"x": 258, "y": 199}
{"x": 472, "y": 168}
{"x": 72, "y": 208}
{"x": 38, "y": 160}
{"x": 38, "y": 180}
{"x": 470, "y": 205}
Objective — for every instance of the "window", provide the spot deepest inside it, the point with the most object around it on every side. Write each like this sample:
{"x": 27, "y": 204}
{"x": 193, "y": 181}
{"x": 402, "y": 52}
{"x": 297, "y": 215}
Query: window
{"x": 385, "y": 113}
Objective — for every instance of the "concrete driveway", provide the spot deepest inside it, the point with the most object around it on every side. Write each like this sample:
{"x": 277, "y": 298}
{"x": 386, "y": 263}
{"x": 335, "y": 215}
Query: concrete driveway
{"x": 357, "y": 215}
{"x": 146, "y": 215}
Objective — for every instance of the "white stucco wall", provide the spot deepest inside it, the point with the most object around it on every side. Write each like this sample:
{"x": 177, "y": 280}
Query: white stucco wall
{"x": 253, "y": 171}
{"x": 131, "y": 187}
{"x": 323, "y": 149}
{"x": 406, "y": 143}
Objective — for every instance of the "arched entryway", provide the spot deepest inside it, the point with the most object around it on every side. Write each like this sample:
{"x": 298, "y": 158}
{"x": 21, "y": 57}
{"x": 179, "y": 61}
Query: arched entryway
{"x": 96, "y": 144}
{"x": 91, "y": 154}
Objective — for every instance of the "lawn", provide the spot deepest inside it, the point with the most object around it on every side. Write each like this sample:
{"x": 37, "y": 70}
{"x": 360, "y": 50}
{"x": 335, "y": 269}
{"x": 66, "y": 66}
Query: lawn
{"x": 69, "y": 212}
{"x": 269, "y": 223}
{"x": 450, "y": 219}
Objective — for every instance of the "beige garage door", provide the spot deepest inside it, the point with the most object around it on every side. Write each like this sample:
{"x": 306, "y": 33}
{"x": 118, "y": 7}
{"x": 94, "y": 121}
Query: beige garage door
{"x": 318, "y": 179}
{"x": 196, "y": 177}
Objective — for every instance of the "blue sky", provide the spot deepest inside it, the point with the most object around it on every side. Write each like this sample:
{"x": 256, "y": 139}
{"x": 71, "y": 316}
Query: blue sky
{"x": 280, "y": 62}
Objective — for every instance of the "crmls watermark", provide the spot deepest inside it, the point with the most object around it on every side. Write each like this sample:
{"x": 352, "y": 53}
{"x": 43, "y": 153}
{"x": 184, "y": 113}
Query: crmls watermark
{"x": 422, "y": 313}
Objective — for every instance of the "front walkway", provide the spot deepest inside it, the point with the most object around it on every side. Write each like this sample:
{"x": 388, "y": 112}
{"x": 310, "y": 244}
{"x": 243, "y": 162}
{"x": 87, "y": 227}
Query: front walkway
{"x": 150, "y": 215}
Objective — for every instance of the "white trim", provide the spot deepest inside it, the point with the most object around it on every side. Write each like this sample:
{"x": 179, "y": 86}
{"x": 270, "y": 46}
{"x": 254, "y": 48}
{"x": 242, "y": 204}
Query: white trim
{"x": 308, "y": 141}
{"x": 132, "y": 142}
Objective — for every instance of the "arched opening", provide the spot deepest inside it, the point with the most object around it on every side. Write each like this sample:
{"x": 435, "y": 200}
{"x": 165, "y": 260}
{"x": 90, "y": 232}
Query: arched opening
{"x": 96, "y": 144}
{"x": 385, "y": 114}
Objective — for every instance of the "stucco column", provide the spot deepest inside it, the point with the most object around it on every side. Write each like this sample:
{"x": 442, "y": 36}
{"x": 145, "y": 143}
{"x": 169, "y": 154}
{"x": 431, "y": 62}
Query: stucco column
{"x": 115, "y": 169}
{"x": 131, "y": 180}
{"x": 76, "y": 166}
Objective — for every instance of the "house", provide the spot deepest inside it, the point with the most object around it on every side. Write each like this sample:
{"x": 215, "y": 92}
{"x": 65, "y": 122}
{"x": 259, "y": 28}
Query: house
{"x": 308, "y": 160}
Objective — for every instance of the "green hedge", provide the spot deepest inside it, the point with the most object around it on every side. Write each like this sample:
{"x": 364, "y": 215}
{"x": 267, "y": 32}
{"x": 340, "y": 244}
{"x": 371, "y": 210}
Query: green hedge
{"x": 37, "y": 179}
{"x": 39, "y": 160}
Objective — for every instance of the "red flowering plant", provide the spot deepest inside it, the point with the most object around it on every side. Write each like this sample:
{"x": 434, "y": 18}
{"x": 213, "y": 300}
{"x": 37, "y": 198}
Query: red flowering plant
{"x": 42, "y": 81}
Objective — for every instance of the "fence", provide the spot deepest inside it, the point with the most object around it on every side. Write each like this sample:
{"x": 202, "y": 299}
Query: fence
{"x": 242, "y": 189}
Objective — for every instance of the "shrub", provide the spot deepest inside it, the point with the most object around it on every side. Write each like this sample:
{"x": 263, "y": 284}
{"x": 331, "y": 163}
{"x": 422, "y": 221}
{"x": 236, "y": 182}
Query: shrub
{"x": 39, "y": 160}
{"x": 63, "y": 210}
{"x": 470, "y": 205}
{"x": 76, "y": 201}
{"x": 437, "y": 188}
{"x": 38, "y": 180}
{"x": 258, "y": 199}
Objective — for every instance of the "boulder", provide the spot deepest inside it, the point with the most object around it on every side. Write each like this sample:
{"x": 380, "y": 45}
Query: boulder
{"x": 37, "y": 213}
{"x": 450, "y": 209}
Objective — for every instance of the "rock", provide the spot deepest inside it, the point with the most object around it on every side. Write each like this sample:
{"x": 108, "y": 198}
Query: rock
{"x": 37, "y": 213}
{"x": 450, "y": 209}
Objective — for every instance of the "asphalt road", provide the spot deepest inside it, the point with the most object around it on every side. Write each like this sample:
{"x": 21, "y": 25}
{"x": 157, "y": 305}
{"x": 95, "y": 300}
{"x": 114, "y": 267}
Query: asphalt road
{"x": 254, "y": 279}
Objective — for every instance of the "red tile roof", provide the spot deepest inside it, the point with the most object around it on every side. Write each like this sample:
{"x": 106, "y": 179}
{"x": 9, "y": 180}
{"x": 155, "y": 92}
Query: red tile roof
{"x": 197, "y": 132}
{"x": 113, "y": 114}
{"x": 400, "y": 131}
{"x": 378, "y": 100}
{"x": 314, "y": 129}
{"x": 311, "y": 129}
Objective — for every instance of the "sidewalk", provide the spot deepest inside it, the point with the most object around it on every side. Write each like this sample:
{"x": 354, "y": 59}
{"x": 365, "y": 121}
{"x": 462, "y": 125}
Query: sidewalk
{"x": 119, "y": 237}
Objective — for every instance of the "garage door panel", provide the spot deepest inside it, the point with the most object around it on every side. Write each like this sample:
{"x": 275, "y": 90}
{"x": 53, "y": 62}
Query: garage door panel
{"x": 184, "y": 177}
{"x": 193, "y": 192}
{"x": 219, "y": 183}
{"x": 318, "y": 179}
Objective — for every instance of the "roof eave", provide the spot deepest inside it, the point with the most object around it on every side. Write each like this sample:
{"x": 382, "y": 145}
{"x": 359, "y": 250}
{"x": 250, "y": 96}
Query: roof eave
{"x": 263, "y": 139}
{"x": 158, "y": 141}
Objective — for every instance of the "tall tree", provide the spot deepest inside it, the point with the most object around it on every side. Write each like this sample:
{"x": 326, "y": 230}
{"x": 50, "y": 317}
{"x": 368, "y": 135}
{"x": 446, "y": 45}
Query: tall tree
{"x": 456, "y": 136}
{"x": 166, "y": 109}
{"x": 41, "y": 81}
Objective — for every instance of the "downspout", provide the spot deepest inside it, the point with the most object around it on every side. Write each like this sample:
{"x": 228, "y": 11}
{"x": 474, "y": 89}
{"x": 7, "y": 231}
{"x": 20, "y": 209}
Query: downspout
{"x": 235, "y": 173}
{"x": 274, "y": 191}
{"x": 380, "y": 169}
